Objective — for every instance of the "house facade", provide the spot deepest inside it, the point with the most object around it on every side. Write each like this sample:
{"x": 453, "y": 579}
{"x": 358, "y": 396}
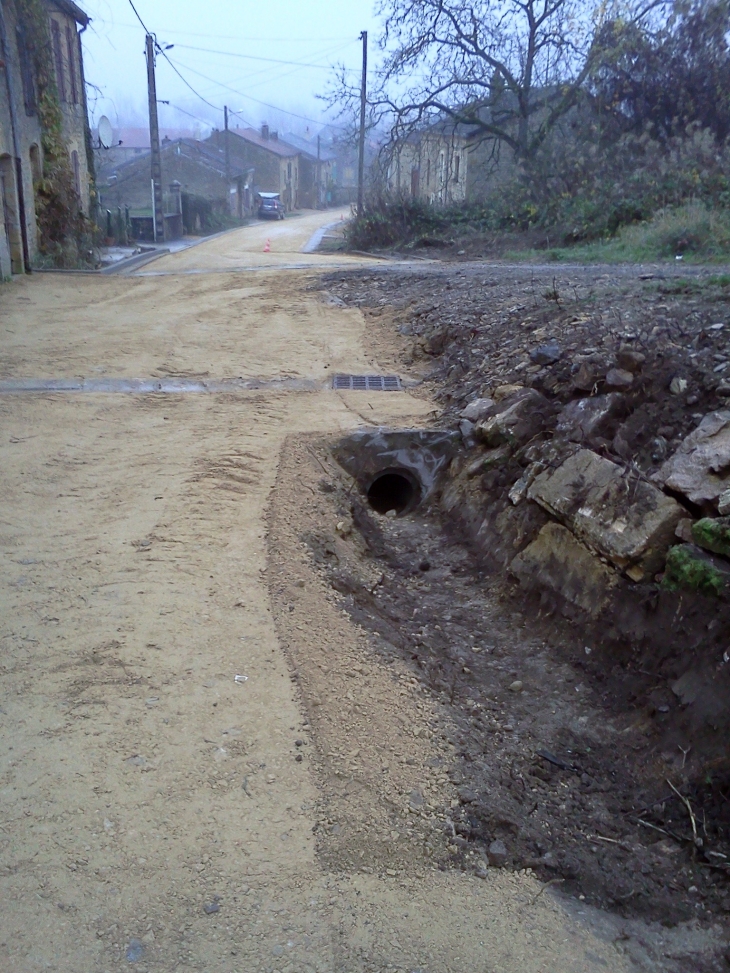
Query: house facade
{"x": 197, "y": 179}
{"x": 432, "y": 165}
{"x": 316, "y": 172}
{"x": 276, "y": 165}
{"x": 21, "y": 146}
{"x": 132, "y": 143}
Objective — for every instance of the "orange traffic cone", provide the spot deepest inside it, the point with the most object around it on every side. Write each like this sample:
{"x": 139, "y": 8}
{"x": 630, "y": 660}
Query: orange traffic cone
{"x": 267, "y": 246}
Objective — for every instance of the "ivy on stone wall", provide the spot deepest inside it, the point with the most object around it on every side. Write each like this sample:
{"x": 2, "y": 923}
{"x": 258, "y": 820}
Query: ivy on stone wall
{"x": 61, "y": 223}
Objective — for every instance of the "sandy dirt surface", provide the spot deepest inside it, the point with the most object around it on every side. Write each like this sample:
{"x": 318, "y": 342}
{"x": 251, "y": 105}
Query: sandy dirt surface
{"x": 156, "y": 816}
{"x": 244, "y": 249}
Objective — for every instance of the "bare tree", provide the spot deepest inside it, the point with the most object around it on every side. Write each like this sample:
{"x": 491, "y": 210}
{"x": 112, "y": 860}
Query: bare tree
{"x": 508, "y": 70}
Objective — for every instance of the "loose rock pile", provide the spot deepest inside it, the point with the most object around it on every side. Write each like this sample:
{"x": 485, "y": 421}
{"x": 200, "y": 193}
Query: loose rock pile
{"x": 596, "y": 447}
{"x": 591, "y": 480}
{"x": 622, "y": 522}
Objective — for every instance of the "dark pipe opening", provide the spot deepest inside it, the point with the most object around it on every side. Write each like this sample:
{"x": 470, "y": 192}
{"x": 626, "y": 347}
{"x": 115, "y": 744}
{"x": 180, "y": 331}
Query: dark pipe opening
{"x": 394, "y": 490}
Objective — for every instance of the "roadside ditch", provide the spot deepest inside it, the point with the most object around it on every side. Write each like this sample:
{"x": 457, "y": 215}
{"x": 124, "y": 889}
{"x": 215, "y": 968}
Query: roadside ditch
{"x": 554, "y": 573}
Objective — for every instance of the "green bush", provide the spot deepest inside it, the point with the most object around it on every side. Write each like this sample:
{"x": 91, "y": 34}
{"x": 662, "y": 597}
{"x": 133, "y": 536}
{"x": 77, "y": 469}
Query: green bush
{"x": 390, "y": 219}
{"x": 647, "y": 199}
{"x": 690, "y": 229}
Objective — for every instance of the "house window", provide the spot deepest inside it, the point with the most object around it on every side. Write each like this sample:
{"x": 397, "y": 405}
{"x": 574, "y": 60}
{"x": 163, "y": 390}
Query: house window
{"x": 26, "y": 72}
{"x": 457, "y": 167}
{"x": 288, "y": 170}
{"x": 71, "y": 41}
{"x": 428, "y": 173}
{"x": 58, "y": 59}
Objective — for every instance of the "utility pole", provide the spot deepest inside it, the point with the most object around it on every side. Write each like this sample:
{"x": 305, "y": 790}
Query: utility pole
{"x": 158, "y": 213}
{"x": 363, "y": 104}
{"x": 228, "y": 161}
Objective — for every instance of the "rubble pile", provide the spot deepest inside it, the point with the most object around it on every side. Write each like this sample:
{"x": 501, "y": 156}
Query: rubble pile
{"x": 594, "y": 412}
{"x": 582, "y": 645}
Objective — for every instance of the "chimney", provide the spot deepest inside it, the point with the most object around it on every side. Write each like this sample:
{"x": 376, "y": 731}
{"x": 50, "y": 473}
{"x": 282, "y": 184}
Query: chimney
{"x": 274, "y": 136}
{"x": 265, "y": 132}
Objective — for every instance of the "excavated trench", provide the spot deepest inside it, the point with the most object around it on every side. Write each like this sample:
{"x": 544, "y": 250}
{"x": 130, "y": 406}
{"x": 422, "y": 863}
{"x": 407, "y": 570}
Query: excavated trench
{"x": 578, "y": 756}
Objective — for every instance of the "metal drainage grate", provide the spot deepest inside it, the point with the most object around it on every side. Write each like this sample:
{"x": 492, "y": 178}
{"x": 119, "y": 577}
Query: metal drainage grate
{"x": 367, "y": 383}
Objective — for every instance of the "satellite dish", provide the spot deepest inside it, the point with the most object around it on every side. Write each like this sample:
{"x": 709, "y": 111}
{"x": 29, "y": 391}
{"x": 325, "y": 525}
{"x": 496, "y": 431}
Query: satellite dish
{"x": 106, "y": 136}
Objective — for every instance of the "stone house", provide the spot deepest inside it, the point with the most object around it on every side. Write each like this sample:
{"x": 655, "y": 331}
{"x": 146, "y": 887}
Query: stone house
{"x": 277, "y": 165}
{"x": 196, "y": 180}
{"x": 132, "y": 143}
{"x": 317, "y": 170}
{"x": 21, "y": 147}
{"x": 432, "y": 164}
{"x": 448, "y": 162}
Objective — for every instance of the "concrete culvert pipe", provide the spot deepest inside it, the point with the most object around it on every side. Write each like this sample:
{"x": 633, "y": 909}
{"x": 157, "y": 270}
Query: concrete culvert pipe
{"x": 394, "y": 489}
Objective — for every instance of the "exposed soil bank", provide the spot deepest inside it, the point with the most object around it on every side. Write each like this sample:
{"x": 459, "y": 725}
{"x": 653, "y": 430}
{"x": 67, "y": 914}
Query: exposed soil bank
{"x": 574, "y": 770}
{"x": 446, "y": 762}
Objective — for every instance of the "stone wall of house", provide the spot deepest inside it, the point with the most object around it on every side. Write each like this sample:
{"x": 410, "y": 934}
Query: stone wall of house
{"x": 432, "y": 168}
{"x": 68, "y": 63}
{"x": 21, "y": 151}
{"x": 273, "y": 172}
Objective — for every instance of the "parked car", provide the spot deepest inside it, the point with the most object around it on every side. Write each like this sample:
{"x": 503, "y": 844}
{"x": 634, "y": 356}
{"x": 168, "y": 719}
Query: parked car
{"x": 270, "y": 207}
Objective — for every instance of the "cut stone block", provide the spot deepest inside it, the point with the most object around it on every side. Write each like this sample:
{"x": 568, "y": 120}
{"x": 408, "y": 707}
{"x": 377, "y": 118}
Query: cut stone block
{"x": 557, "y": 561}
{"x": 626, "y": 519}
{"x": 521, "y": 418}
{"x": 619, "y": 378}
{"x": 630, "y": 360}
{"x": 488, "y": 460}
{"x": 478, "y": 409}
{"x": 700, "y": 469}
{"x": 584, "y": 418}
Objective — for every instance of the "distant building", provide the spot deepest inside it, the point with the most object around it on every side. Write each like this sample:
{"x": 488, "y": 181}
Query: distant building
{"x": 132, "y": 143}
{"x": 448, "y": 162}
{"x": 343, "y": 149}
{"x": 316, "y": 170}
{"x": 201, "y": 190}
{"x": 21, "y": 146}
{"x": 277, "y": 165}
{"x": 432, "y": 163}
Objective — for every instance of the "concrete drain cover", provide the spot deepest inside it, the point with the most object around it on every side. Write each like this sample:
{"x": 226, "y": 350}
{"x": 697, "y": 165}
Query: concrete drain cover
{"x": 367, "y": 383}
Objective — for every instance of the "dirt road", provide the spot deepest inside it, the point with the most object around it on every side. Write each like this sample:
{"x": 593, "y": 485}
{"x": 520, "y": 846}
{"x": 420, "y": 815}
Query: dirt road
{"x": 289, "y": 241}
{"x": 156, "y": 816}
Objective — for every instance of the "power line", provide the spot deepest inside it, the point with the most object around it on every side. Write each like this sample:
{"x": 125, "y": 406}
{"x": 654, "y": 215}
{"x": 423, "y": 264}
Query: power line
{"x": 247, "y": 79}
{"x": 270, "y": 60}
{"x": 241, "y": 94}
{"x": 185, "y": 82}
{"x": 197, "y": 94}
{"x": 228, "y": 37}
{"x": 162, "y": 52}
{"x": 190, "y": 114}
{"x": 138, "y": 16}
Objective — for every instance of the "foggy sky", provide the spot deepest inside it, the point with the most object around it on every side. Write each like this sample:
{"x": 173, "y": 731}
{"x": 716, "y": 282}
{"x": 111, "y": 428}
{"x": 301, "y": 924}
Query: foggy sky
{"x": 318, "y": 32}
